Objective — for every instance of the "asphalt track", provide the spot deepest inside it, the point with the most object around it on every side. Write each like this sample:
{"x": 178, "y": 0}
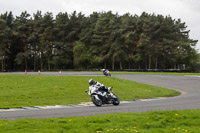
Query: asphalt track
{"x": 189, "y": 86}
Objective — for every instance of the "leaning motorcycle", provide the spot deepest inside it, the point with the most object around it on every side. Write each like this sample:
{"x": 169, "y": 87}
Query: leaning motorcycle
{"x": 106, "y": 73}
{"x": 103, "y": 97}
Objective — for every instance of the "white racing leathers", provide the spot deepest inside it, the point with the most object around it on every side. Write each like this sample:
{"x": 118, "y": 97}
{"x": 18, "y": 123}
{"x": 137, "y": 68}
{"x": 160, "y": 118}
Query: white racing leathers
{"x": 94, "y": 88}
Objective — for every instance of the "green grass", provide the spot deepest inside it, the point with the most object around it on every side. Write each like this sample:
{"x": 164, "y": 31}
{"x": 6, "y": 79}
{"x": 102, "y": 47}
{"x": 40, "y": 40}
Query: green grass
{"x": 148, "y": 122}
{"x": 157, "y": 73}
{"x": 40, "y": 90}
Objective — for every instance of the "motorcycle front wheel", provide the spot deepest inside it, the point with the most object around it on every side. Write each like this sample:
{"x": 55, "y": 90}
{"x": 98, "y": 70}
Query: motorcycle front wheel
{"x": 116, "y": 101}
{"x": 96, "y": 101}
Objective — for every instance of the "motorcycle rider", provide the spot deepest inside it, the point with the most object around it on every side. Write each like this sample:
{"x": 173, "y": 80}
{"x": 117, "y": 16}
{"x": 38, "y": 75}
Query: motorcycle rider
{"x": 94, "y": 86}
{"x": 106, "y": 72}
{"x": 103, "y": 70}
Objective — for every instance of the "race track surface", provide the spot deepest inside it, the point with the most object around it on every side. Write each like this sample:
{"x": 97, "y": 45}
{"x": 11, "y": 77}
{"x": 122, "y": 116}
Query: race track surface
{"x": 188, "y": 85}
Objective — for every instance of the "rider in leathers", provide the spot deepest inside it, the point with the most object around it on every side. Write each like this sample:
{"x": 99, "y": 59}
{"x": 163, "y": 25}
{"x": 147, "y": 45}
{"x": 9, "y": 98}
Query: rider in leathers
{"x": 94, "y": 86}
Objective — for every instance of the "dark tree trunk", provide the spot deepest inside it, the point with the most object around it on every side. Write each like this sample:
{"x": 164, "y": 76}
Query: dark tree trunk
{"x": 105, "y": 65}
{"x": 41, "y": 61}
{"x": 149, "y": 61}
{"x": 156, "y": 62}
{"x": 113, "y": 63}
{"x": 49, "y": 65}
{"x": 120, "y": 64}
{"x": 2, "y": 64}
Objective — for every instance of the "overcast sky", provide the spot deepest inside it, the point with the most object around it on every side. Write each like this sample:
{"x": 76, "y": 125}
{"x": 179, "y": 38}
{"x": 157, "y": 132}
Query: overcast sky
{"x": 187, "y": 10}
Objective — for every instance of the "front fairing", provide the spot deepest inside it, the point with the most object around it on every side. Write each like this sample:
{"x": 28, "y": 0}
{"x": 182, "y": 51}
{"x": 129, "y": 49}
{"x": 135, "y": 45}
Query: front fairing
{"x": 101, "y": 93}
{"x": 114, "y": 96}
{"x": 92, "y": 90}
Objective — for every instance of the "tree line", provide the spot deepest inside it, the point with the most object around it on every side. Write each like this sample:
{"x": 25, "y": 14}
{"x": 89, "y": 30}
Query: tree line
{"x": 100, "y": 40}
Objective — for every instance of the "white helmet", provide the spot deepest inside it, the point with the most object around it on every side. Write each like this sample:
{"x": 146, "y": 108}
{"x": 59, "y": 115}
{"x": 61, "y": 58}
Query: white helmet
{"x": 91, "y": 82}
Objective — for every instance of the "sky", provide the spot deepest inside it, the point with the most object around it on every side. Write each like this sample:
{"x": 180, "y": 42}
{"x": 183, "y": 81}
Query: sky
{"x": 186, "y": 10}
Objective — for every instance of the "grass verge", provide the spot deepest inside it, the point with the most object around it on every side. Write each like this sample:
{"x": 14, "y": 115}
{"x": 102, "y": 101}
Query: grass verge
{"x": 40, "y": 90}
{"x": 148, "y": 122}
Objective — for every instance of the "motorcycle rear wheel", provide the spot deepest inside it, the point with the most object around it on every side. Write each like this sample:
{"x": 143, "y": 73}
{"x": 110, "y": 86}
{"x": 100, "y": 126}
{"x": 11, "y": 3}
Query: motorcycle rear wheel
{"x": 96, "y": 102}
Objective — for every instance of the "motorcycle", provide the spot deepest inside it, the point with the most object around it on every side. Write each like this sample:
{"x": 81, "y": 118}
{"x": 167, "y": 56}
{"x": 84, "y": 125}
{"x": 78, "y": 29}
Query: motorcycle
{"x": 106, "y": 72}
{"x": 99, "y": 97}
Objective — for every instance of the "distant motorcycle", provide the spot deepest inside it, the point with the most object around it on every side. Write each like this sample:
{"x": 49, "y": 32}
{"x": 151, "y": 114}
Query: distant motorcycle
{"x": 106, "y": 72}
{"x": 99, "y": 97}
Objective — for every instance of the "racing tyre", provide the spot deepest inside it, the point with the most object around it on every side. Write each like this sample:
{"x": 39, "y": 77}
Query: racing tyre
{"x": 97, "y": 102}
{"x": 116, "y": 101}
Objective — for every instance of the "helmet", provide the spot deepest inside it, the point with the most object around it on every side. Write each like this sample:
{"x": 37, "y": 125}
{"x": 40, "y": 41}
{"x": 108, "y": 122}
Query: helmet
{"x": 91, "y": 82}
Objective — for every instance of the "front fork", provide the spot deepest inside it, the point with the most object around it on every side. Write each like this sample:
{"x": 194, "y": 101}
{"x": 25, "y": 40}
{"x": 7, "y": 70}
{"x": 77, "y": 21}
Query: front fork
{"x": 96, "y": 97}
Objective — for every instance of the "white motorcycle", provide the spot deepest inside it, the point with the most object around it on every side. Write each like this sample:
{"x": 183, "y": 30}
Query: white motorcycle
{"x": 100, "y": 97}
{"x": 106, "y": 72}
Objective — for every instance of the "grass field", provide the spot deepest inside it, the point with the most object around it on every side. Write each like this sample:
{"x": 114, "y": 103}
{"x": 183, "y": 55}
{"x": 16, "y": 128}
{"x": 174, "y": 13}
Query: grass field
{"x": 186, "y": 121}
{"x": 40, "y": 90}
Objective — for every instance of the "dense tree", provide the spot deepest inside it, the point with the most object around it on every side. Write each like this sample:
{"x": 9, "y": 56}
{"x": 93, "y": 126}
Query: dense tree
{"x": 84, "y": 51}
{"x": 100, "y": 40}
{"x": 23, "y": 31}
{"x": 125, "y": 40}
{"x": 4, "y": 30}
{"x": 6, "y": 22}
{"x": 34, "y": 39}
